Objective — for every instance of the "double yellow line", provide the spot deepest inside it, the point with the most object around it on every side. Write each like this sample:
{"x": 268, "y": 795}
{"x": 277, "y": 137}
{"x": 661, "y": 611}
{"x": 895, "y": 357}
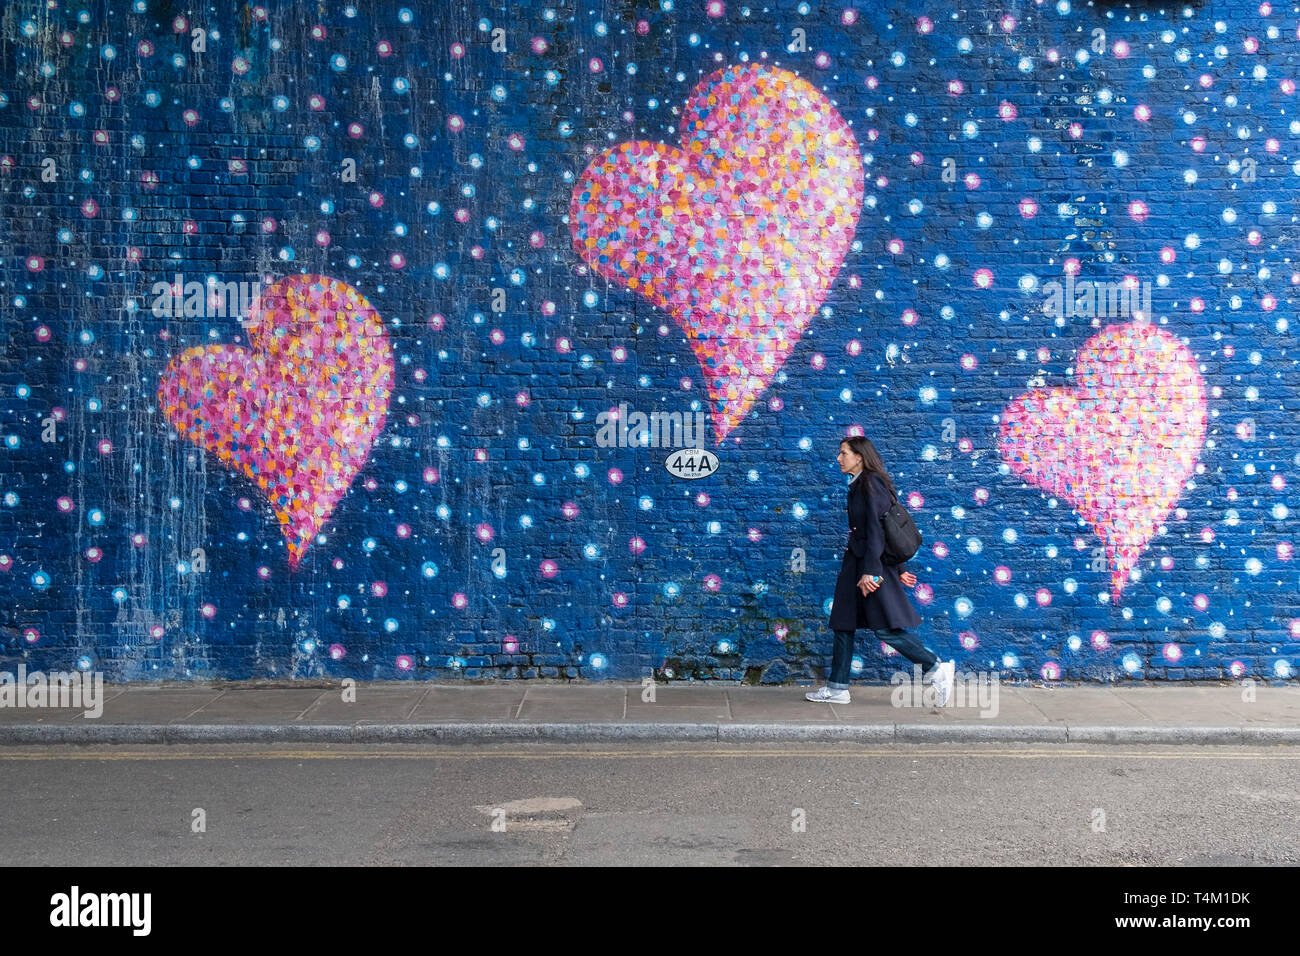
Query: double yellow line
{"x": 1051, "y": 752}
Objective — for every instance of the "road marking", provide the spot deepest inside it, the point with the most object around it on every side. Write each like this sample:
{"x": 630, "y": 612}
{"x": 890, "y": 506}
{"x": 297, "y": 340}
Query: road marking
{"x": 147, "y": 755}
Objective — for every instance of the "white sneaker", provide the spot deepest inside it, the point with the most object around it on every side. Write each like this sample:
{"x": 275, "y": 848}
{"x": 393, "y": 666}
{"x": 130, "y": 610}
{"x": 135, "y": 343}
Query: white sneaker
{"x": 941, "y": 679}
{"x": 825, "y": 694}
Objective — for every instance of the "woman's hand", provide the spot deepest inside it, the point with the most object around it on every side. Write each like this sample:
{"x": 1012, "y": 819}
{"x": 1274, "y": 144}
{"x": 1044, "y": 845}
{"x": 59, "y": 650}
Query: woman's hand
{"x": 867, "y": 583}
{"x": 908, "y": 578}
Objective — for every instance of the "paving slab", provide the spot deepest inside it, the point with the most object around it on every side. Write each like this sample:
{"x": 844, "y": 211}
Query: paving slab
{"x": 791, "y": 706}
{"x": 679, "y": 696}
{"x": 467, "y": 703}
{"x": 590, "y": 703}
{"x": 565, "y": 692}
{"x": 673, "y": 704}
{"x": 157, "y": 706}
{"x": 23, "y": 716}
{"x": 55, "y": 715}
{"x": 256, "y": 706}
{"x": 1100, "y": 706}
{"x": 670, "y": 714}
{"x": 1202, "y": 705}
{"x": 369, "y": 702}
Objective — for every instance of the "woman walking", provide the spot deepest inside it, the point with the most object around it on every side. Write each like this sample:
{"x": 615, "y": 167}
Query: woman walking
{"x": 868, "y": 592}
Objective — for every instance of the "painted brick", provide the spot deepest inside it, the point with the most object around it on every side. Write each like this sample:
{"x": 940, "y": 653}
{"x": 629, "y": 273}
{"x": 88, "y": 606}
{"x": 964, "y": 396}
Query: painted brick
{"x": 1102, "y": 495}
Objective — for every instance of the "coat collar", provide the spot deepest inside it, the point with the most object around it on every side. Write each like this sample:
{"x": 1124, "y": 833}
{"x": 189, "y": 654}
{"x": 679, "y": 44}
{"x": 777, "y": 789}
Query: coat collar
{"x": 859, "y": 484}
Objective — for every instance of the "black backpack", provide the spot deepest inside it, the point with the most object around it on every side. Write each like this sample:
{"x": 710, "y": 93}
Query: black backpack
{"x": 902, "y": 536}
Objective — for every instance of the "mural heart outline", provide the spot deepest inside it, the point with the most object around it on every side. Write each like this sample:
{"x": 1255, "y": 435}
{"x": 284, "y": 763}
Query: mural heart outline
{"x": 1120, "y": 446}
{"x": 739, "y": 232}
{"x": 298, "y": 411}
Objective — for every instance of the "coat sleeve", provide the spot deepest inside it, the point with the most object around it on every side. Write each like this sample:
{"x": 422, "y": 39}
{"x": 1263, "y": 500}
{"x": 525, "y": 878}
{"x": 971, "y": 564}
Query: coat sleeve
{"x": 869, "y": 562}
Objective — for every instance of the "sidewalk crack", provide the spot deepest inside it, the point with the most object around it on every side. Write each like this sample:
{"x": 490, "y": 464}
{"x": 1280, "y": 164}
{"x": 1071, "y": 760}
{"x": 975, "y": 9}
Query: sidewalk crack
{"x": 315, "y": 700}
{"x": 204, "y": 704}
{"x": 1028, "y": 699}
{"x": 419, "y": 700}
{"x": 1119, "y": 696}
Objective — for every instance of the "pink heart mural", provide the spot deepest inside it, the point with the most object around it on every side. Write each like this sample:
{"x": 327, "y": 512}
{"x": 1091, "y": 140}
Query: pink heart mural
{"x": 298, "y": 411}
{"x": 739, "y": 232}
{"x": 1120, "y": 445}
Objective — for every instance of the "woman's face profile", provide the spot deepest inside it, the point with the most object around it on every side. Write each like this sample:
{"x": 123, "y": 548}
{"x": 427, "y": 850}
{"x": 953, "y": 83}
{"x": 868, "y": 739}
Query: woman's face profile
{"x": 847, "y": 459}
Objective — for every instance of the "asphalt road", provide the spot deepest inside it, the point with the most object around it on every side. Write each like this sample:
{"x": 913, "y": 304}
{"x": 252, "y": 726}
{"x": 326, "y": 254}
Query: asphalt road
{"x": 627, "y": 804}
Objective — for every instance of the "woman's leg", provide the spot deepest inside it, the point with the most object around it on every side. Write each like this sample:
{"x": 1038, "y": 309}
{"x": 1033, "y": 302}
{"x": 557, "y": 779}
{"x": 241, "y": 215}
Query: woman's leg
{"x": 841, "y": 661}
{"x": 906, "y": 644}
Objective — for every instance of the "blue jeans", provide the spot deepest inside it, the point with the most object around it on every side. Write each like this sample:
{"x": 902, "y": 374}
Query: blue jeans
{"x": 898, "y": 638}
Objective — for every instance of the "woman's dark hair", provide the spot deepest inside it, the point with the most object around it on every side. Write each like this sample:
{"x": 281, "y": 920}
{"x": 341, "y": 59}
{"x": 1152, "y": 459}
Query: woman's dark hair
{"x": 871, "y": 460}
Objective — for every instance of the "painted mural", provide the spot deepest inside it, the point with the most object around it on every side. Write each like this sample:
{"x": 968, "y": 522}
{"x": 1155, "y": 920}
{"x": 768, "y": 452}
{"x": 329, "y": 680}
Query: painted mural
{"x": 297, "y": 412}
{"x": 315, "y": 317}
{"x": 739, "y": 233}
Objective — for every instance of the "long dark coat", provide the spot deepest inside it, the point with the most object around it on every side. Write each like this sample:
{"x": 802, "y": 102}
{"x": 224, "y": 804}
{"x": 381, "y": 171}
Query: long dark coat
{"x": 888, "y": 605}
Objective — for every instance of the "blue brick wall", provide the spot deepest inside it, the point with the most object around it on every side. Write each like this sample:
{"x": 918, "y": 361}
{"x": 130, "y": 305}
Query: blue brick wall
{"x": 862, "y": 239}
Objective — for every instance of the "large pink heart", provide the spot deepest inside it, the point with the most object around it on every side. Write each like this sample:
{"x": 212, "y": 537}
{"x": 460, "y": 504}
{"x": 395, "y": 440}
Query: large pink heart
{"x": 299, "y": 410}
{"x": 1120, "y": 445}
{"x": 739, "y": 233}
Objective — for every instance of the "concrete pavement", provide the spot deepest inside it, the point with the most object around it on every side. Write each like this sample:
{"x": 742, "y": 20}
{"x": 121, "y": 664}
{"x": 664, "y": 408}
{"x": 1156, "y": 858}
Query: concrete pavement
{"x": 1200, "y": 713}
